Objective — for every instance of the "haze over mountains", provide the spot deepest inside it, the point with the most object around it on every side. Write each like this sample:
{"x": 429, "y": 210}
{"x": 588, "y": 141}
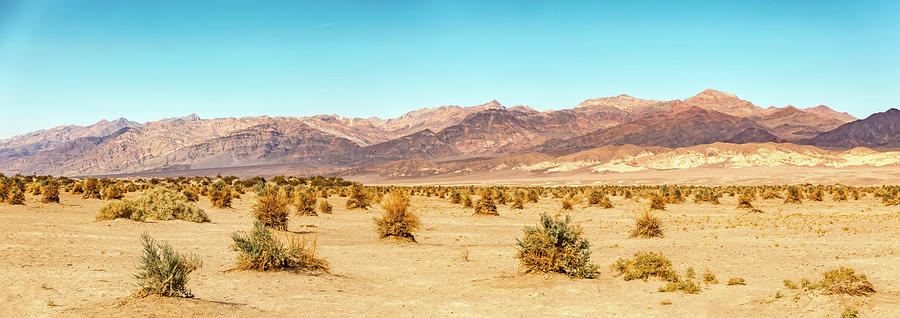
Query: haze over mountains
{"x": 611, "y": 131}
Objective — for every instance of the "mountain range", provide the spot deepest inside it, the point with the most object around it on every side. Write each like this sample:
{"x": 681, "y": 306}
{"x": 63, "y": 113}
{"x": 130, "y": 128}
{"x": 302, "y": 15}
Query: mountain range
{"x": 445, "y": 138}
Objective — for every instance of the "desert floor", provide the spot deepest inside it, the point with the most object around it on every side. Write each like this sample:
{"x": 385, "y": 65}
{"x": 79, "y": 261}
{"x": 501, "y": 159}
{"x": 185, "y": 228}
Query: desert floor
{"x": 55, "y": 260}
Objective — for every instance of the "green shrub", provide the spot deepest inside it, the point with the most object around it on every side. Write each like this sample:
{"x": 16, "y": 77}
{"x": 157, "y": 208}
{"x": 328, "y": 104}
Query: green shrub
{"x": 260, "y": 250}
{"x": 164, "y": 271}
{"x": 556, "y": 245}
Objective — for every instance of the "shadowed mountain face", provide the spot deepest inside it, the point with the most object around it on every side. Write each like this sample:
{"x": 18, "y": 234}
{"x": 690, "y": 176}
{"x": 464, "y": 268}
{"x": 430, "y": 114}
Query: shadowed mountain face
{"x": 880, "y": 130}
{"x": 693, "y": 126}
{"x": 460, "y": 135}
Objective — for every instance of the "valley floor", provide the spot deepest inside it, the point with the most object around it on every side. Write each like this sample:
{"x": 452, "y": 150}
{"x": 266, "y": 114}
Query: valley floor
{"x": 55, "y": 260}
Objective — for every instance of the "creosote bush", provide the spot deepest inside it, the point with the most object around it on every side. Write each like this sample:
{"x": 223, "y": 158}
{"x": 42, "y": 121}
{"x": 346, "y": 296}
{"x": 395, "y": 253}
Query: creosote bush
{"x": 556, "y": 245}
{"x": 397, "y": 222}
{"x": 647, "y": 226}
{"x": 159, "y": 203}
{"x": 163, "y": 271}
{"x": 272, "y": 208}
{"x": 261, "y": 250}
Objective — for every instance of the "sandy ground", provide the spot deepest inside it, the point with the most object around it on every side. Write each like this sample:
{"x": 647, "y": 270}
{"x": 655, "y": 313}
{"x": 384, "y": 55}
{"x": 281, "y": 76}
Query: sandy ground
{"x": 55, "y": 260}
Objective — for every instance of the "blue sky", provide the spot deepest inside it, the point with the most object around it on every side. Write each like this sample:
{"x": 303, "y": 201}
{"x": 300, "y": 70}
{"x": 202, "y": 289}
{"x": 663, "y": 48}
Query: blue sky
{"x": 76, "y": 62}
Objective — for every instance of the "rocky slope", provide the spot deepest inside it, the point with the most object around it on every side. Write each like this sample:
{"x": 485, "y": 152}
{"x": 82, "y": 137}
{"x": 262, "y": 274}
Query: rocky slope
{"x": 880, "y": 130}
{"x": 447, "y": 138}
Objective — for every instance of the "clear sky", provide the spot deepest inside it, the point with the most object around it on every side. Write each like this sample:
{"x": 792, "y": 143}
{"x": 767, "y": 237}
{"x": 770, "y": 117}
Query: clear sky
{"x": 76, "y": 62}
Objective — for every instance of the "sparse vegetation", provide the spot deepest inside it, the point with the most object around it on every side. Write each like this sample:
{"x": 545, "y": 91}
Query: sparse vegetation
{"x": 397, "y": 221}
{"x": 271, "y": 208}
{"x": 261, "y": 250}
{"x": 358, "y": 198}
{"x": 647, "y": 226}
{"x": 325, "y": 207}
{"x": 159, "y": 203}
{"x": 163, "y": 271}
{"x": 556, "y": 245}
{"x": 736, "y": 281}
{"x": 646, "y": 265}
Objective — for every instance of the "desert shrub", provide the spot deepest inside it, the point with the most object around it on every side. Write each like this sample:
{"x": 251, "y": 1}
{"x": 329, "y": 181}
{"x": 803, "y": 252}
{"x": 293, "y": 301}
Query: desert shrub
{"x": 566, "y": 204}
{"x": 50, "y": 193}
{"x": 455, "y": 197}
{"x": 707, "y": 195}
{"x": 163, "y": 271}
{"x": 789, "y": 284}
{"x": 769, "y": 194}
{"x": 358, "y": 198}
{"x": 840, "y": 194}
{"x": 305, "y": 202}
{"x": 159, "y": 203}
{"x": 850, "y": 312}
{"x": 533, "y": 196}
{"x": 685, "y": 286}
{"x": 816, "y": 194}
{"x": 219, "y": 195}
{"x": 191, "y": 195}
{"x": 736, "y": 281}
{"x": 397, "y": 221}
{"x": 120, "y": 210}
{"x": 486, "y": 206}
{"x": 710, "y": 278}
{"x": 467, "y": 202}
{"x": 16, "y": 196}
{"x": 556, "y": 245}
{"x": 657, "y": 201}
{"x": 518, "y": 203}
{"x": 599, "y": 199}
{"x": 793, "y": 195}
{"x": 646, "y": 265}
{"x": 111, "y": 192}
{"x": 845, "y": 281}
{"x": 744, "y": 201}
{"x": 261, "y": 250}
{"x": 647, "y": 226}
{"x": 271, "y": 208}
{"x": 90, "y": 188}
{"x": 325, "y": 207}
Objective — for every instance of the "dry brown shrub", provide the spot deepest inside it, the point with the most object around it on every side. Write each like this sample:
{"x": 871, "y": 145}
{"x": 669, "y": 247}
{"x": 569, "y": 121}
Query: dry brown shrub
{"x": 397, "y": 221}
{"x": 647, "y": 226}
{"x": 271, "y": 208}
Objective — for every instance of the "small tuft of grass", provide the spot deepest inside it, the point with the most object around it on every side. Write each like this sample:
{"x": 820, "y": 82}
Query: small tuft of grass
{"x": 647, "y": 226}
{"x": 164, "y": 271}
{"x": 736, "y": 281}
{"x": 709, "y": 278}
{"x": 850, "y": 312}
{"x": 789, "y": 284}
{"x": 556, "y": 245}
{"x": 665, "y": 302}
